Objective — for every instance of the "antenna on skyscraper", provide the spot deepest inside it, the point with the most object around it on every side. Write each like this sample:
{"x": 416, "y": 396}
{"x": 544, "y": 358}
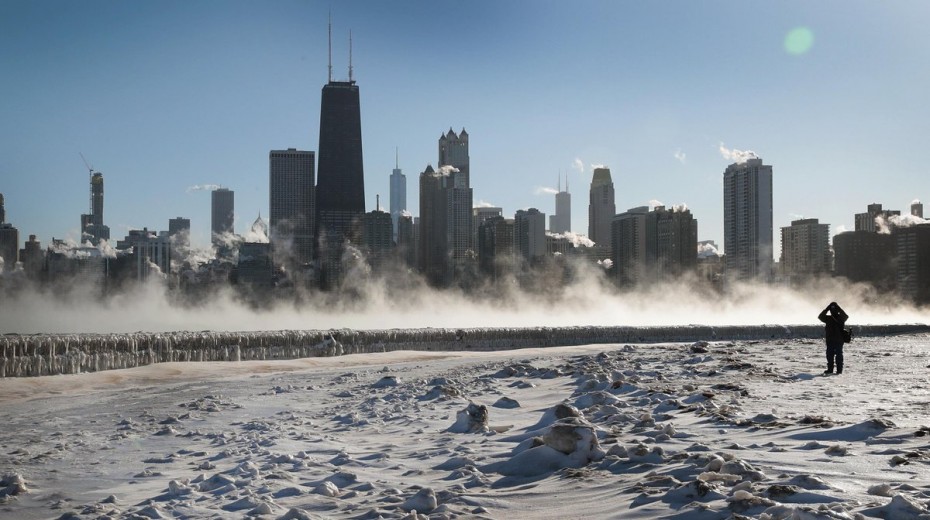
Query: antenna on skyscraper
{"x": 350, "y": 56}
{"x": 330, "y": 47}
{"x": 560, "y": 179}
{"x": 396, "y": 161}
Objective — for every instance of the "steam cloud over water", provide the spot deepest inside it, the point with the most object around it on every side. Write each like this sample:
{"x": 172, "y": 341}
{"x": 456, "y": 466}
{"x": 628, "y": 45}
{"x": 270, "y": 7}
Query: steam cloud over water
{"x": 379, "y": 303}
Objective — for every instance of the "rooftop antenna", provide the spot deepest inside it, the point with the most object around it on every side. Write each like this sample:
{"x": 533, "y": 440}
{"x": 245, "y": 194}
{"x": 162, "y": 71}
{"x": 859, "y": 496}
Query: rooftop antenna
{"x": 330, "y": 47}
{"x": 560, "y": 180}
{"x": 396, "y": 161}
{"x": 350, "y": 56}
{"x": 378, "y": 202}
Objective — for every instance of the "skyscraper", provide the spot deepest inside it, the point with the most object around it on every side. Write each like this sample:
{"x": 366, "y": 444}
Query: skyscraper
{"x": 9, "y": 241}
{"x": 529, "y": 234}
{"x": 917, "y": 209}
{"x": 179, "y": 233}
{"x": 222, "y": 212}
{"x": 292, "y": 204}
{"x": 805, "y": 249}
{"x": 747, "y": 220}
{"x": 453, "y": 151}
{"x": 398, "y": 195}
{"x": 92, "y": 228}
{"x": 561, "y": 222}
{"x": 446, "y": 219}
{"x": 340, "y": 188}
{"x": 653, "y": 246}
{"x": 377, "y": 231}
{"x": 601, "y": 207}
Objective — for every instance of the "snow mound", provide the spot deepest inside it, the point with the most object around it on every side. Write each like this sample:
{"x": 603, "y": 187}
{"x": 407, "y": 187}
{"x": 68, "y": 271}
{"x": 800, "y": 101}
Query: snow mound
{"x": 423, "y": 501}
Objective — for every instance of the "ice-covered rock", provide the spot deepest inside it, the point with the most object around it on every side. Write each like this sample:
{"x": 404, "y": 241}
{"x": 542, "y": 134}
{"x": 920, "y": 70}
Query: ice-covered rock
{"x": 423, "y": 501}
{"x": 473, "y": 419}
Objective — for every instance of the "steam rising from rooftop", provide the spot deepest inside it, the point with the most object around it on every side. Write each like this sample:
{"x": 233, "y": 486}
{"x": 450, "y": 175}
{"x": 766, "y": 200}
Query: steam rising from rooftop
{"x": 737, "y": 156}
{"x": 203, "y": 187}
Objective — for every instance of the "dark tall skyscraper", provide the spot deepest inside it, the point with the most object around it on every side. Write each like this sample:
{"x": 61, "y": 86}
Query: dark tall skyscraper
{"x": 2, "y": 210}
{"x": 222, "y": 214}
{"x": 92, "y": 227}
{"x": 601, "y": 208}
{"x": 453, "y": 151}
{"x": 292, "y": 203}
{"x": 340, "y": 187}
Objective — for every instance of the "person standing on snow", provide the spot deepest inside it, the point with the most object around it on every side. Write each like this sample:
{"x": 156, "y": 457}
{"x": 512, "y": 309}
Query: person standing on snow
{"x": 833, "y": 318}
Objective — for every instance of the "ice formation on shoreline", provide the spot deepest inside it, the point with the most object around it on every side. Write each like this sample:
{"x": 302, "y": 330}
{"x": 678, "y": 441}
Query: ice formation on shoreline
{"x": 51, "y": 354}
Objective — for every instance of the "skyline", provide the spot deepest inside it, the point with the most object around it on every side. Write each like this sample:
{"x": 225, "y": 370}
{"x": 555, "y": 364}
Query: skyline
{"x": 170, "y": 96}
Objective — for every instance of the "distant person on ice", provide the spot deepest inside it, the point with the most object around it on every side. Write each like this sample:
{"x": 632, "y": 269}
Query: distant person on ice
{"x": 834, "y": 317}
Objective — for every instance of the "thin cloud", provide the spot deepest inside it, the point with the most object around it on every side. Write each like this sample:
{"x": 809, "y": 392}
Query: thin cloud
{"x": 545, "y": 190}
{"x": 680, "y": 156}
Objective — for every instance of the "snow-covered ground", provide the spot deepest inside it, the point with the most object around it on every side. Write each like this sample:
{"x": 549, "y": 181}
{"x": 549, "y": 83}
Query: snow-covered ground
{"x": 675, "y": 430}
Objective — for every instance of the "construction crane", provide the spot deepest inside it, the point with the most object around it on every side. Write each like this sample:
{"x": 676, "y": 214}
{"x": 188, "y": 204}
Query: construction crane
{"x": 90, "y": 173}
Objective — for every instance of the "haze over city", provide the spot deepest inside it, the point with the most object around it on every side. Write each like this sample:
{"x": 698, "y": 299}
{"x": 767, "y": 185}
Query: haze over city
{"x": 168, "y": 96}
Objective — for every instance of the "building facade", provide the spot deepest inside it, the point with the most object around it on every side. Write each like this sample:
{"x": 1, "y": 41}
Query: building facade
{"x": 874, "y": 214}
{"x": 912, "y": 248}
{"x": 398, "y": 196}
{"x": 377, "y": 237}
{"x": 340, "y": 191}
{"x": 561, "y": 221}
{"x": 805, "y": 250}
{"x": 222, "y": 216}
{"x": 453, "y": 151}
{"x": 747, "y": 220}
{"x": 92, "y": 228}
{"x": 865, "y": 256}
{"x": 601, "y": 208}
{"x": 529, "y": 234}
{"x": 292, "y": 205}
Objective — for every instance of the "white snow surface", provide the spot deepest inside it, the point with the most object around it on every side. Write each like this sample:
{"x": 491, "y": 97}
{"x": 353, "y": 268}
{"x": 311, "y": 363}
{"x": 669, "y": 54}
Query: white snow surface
{"x": 708, "y": 430}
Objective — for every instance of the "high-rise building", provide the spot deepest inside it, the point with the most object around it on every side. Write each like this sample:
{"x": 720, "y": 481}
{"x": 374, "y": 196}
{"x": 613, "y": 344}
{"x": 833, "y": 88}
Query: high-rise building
{"x": 398, "y": 195}
{"x": 431, "y": 255}
{"x": 222, "y": 213}
{"x": 340, "y": 191}
{"x": 653, "y": 246}
{"x": 747, "y": 220}
{"x": 33, "y": 257}
{"x": 92, "y": 228}
{"x": 561, "y": 222}
{"x": 406, "y": 240}
{"x": 377, "y": 232}
{"x": 912, "y": 248}
{"x": 805, "y": 249}
{"x": 869, "y": 221}
{"x": 479, "y": 216}
{"x": 179, "y": 232}
{"x": 255, "y": 269}
{"x": 865, "y": 256}
{"x": 529, "y": 234}
{"x": 446, "y": 220}
{"x": 9, "y": 241}
{"x": 601, "y": 208}
{"x": 292, "y": 205}
{"x": 9, "y": 246}
{"x": 151, "y": 252}
{"x": 631, "y": 250}
{"x": 453, "y": 151}
{"x": 496, "y": 247}
{"x": 917, "y": 209}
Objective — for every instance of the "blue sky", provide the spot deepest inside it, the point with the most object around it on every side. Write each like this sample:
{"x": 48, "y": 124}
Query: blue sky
{"x": 162, "y": 96}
